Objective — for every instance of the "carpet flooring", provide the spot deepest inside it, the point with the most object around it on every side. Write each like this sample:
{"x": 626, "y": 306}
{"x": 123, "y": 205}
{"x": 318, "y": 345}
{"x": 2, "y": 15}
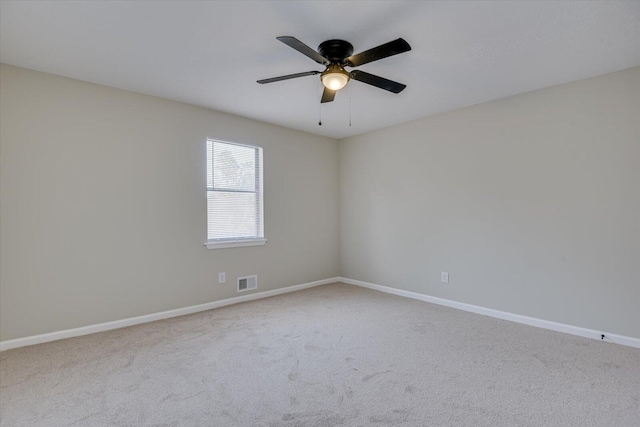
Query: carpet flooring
{"x": 327, "y": 356}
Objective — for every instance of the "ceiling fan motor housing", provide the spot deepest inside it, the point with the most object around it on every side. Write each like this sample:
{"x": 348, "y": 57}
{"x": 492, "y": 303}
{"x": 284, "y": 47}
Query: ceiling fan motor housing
{"x": 335, "y": 50}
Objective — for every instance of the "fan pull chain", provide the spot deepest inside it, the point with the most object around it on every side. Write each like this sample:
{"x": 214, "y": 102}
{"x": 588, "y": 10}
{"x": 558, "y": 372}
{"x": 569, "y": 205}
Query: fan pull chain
{"x": 350, "y": 105}
{"x": 320, "y": 106}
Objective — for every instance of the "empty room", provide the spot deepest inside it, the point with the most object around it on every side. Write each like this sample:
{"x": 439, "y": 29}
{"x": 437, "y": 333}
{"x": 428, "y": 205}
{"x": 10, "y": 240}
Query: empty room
{"x": 319, "y": 213}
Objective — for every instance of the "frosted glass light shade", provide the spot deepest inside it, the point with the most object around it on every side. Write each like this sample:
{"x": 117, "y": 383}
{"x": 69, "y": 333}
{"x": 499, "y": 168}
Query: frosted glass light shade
{"x": 335, "y": 80}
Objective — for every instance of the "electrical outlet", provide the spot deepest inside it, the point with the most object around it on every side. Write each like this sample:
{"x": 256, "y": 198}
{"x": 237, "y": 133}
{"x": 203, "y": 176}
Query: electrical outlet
{"x": 222, "y": 277}
{"x": 444, "y": 277}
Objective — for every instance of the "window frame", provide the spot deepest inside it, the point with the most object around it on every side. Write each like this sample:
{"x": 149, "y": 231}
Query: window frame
{"x": 234, "y": 242}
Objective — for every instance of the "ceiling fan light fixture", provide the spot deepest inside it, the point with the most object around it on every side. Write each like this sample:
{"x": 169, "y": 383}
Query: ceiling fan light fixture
{"x": 335, "y": 77}
{"x": 336, "y": 54}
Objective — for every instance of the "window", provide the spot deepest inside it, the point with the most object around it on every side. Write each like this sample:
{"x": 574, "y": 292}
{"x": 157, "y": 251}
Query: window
{"x": 234, "y": 195}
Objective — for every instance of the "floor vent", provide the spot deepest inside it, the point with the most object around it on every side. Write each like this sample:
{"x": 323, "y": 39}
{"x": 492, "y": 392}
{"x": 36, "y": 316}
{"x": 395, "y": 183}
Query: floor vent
{"x": 247, "y": 283}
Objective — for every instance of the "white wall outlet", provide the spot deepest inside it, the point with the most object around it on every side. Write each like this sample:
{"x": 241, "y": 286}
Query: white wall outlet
{"x": 444, "y": 277}
{"x": 222, "y": 277}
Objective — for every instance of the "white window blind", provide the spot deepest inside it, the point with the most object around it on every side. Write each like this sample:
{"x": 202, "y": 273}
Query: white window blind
{"x": 234, "y": 194}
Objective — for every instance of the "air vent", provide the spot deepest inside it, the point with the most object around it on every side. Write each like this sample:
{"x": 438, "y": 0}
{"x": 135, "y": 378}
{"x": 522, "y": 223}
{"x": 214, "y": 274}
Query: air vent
{"x": 247, "y": 283}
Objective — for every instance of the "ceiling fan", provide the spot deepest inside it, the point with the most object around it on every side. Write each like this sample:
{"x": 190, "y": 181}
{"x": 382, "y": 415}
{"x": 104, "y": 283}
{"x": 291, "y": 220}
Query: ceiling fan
{"x": 336, "y": 55}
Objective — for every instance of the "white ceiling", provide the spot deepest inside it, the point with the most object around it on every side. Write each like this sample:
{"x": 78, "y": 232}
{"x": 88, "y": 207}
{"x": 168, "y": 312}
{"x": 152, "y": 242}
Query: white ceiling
{"x": 211, "y": 53}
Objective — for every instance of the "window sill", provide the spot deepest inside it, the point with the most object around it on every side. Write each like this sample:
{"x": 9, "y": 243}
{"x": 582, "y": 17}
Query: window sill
{"x": 223, "y": 244}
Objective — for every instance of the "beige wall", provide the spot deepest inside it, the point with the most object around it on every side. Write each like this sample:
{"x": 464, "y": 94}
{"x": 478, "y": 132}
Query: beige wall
{"x": 531, "y": 203}
{"x": 103, "y": 206}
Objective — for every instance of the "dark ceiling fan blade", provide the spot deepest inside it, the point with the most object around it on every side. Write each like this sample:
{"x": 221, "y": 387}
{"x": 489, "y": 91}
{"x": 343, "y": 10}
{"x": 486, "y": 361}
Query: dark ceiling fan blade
{"x": 303, "y": 49}
{"x": 384, "y": 50}
{"x": 288, "y": 76}
{"x": 328, "y": 95}
{"x": 376, "y": 81}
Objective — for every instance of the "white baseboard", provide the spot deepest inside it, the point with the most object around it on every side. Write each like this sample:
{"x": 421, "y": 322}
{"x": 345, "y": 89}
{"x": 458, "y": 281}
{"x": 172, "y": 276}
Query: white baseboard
{"x": 101, "y": 327}
{"x": 531, "y": 321}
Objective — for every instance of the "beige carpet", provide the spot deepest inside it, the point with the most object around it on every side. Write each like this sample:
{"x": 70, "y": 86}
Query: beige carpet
{"x": 331, "y": 355}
